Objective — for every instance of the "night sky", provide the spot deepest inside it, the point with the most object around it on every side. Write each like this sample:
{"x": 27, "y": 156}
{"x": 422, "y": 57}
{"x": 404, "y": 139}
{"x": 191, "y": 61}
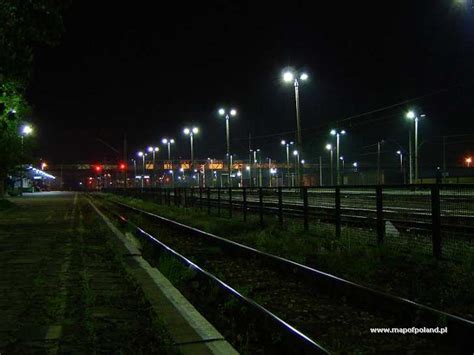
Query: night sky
{"x": 148, "y": 69}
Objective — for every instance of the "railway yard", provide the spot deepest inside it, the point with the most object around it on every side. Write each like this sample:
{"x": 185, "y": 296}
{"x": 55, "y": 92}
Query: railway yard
{"x": 266, "y": 286}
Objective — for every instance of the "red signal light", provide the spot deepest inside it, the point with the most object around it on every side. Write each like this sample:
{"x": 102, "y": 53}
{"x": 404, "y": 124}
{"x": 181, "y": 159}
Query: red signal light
{"x": 122, "y": 166}
{"x": 98, "y": 168}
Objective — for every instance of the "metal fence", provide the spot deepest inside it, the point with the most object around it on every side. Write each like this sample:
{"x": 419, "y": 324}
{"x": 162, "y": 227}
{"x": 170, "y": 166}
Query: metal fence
{"x": 432, "y": 219}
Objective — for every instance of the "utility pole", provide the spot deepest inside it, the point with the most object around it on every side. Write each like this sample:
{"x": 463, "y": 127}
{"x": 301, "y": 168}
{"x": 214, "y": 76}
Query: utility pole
{"x": 125, "y": 172}
{"x": 320, "y": 171}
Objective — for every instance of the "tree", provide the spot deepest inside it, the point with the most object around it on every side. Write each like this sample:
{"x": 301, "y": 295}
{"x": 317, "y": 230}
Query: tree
{"x": 24, "y": 24}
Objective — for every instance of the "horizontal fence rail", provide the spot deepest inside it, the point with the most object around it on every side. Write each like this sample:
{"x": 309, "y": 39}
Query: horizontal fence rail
{"x": 434, "y": 219}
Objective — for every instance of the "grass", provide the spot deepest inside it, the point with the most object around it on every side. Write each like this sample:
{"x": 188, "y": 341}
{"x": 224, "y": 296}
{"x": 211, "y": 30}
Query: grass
{"x": 5, "y": 204}
{"x": 406, "y": 270}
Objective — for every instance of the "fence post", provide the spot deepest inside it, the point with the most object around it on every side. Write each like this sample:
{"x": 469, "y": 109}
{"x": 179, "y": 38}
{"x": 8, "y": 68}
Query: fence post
{"x": 192, "y": 197}
{"x": 168, "y": 192}
{"x": 338, "y": 211}
{"x": 380, "y": 220}
{"x": 436, "y": 221}
{"x": 175, "y": 192}
{"x": 208, "y": 200}
{"x": 244, "y": 203}
{"x": 219, "y": 201}
{"x": 230, "y": 202}
{"x": 160, "y": 196}
{"x": 305, "y": 208}
{"x": 185, "y": 190}
{"x": 200, "y": 198}
{"x": 260, "y": 204}
{"x": 280, "y": 205}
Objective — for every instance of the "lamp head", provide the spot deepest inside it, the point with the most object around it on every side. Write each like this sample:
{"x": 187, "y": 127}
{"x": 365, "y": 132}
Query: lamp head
{"x": 328, "y": 146}
{"x": 164, "y": 141}
{"x": 186, "y": 131}
{"x": 333, "y": 132}
{"x": 288, "y": 77}
{"x": 411, "y": 115}
{"x": 304, "y": 76}
{"x": 283, "y": 142}
{"x": 221, "y": 112}
{"x": 27, "y": 129}
{"x": 233, "y": 112}
{"x": 195, "y": 130}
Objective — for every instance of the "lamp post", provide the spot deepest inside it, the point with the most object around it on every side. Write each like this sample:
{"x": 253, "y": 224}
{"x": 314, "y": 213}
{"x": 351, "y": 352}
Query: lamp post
{"x": 191, "y": 132}
{"x": 168, "y": 142}
{"x": 468, "y": 161}
{"x": 227, "y": 115}
{"x": 153, "y": 151}
{"x": 343, "y": 169}
{"x": 142, "y": 155}
{"x": 337, "y": 134}
{"x": 412, "y": 116}
{"x": 330, "y": 149}
{"x": 296, "y": 154}
{"x": 287, "y": 145}
{"x": 290, "y": 77}
{"x": 134, "y": 171}
{"x": 255, "y": 161}
{"x": 25, "y": 131}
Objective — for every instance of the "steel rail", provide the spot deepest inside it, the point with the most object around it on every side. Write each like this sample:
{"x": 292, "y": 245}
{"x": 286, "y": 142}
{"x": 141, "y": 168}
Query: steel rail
{"x": 301, "y": 342}
{"x": 460, "y": 329}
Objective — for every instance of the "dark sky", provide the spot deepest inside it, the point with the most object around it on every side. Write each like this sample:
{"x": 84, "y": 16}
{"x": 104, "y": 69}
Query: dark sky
{"x": 148, "y": 69}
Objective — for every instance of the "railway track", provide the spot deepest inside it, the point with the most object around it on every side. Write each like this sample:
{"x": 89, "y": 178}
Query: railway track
{"x": 329, "y": 312}
{"x": 405, "y": 220}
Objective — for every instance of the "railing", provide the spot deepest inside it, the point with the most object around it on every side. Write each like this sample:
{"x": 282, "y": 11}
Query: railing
{"x": 435, "y": 219}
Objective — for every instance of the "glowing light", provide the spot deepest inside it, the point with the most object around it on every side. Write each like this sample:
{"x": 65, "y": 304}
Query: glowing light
{"x": 304, "y": 76}
{"x": 411, "y": 115}
{"x": 186, "y": 131}
{"x": 302, "y": 161}
{"x": 140, "y": 154}
{"x": 239, "y": 173}
{"x": 295, "y": 152}
{"x": 221, "y": 112}
{"x": 333, "y": 132}
{"x": 247, "y": 168}
{"x": 355, "y": 164}
{"x": 283, "y": 142}
{"x": 343, "y": 132}
{"x": 27, "y": 129}
{"x": 172, "y": 141}
{"x": 329, "y": 146}
{"x": 399, "y": 152}
{"x": 468, "y": 161}
{"x": 288, "y": 77}
{"x": 150, "y": 149}
{"x": 233, "y": 112}
{"x": 195, "y": 130}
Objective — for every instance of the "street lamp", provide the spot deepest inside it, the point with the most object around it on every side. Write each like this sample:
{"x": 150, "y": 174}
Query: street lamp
{"x": 468, "y": 161}
{"x": 231, "y": 112}
{"x": 287, "y": 145}
{"x": 291, "y": 77}
{"x": 337, "y": 133}
{"x": 191, "y": 132}
{"x": 411, "y": 115}
{"x": 25, "y": 131}
{"x": 153, "y": 150}
{"x": 142, "y": 155}
{"x": 168, "y": 142}
{"x": 330, "y": 149}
